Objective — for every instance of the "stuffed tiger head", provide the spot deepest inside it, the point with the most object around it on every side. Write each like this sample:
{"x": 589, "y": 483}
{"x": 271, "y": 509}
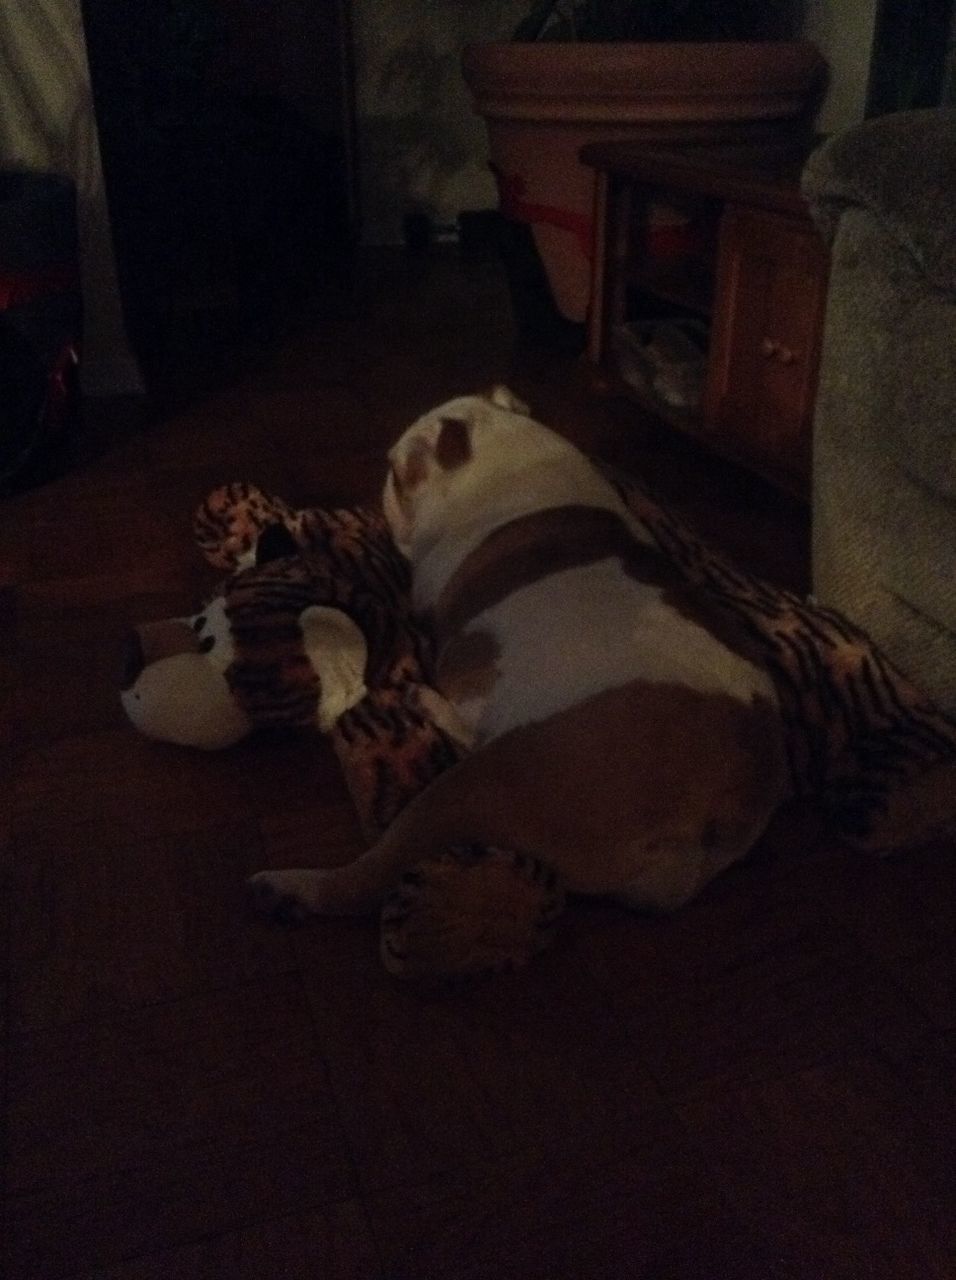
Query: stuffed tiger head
{"x": 291, "y": 640}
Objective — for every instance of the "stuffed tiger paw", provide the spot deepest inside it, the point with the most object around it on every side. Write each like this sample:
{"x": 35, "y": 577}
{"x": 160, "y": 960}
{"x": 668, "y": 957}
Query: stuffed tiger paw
{"x": 471, "y": 910}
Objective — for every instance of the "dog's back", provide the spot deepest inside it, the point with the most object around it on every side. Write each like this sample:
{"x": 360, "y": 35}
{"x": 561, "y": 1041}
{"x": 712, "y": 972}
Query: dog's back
{"x": 543, "y": 588}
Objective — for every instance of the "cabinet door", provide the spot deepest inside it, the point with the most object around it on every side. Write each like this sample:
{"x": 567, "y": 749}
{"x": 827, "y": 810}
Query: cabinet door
{"x": 765, "y": 341}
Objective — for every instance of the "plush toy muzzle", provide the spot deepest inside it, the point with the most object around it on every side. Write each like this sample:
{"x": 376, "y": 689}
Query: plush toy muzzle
{"x": 174, "y": 682}
{"x": 184, "y": 681}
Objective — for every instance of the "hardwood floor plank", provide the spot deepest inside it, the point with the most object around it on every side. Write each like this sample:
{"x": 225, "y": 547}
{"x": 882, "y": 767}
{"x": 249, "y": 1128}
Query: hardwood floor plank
{"x": 902, "y": 911}
{"x": 837, "y": 1167}
{"x": 265, "y": 434}
{"x": 757, "y": 975}
{"x": 560, "y": 1070}
{"x": 332, "y": 1243}
{"x": 56, "y": 644}
{"x": 656, "y": 1215}
{"x": 154, "y": 1127}
{"x": 106, "y": 921}
{"x": 537, "y": 1060}
{"x": 119, "y": 778}
{"x": 410, "y": 1102}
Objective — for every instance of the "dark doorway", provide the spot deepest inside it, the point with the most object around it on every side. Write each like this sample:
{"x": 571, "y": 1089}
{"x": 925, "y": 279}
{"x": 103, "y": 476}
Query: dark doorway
{"x": 912, "y": 60}
{"x": 226, "y": 130}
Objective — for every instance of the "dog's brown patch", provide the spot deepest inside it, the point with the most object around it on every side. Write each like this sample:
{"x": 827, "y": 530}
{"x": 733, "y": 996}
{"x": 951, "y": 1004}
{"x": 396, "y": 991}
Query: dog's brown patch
{"x": 648, "y": 779}
{"x": 453, "y": 446}
{"x": 542, "y": 543}
{"x": 533, "y": 547}
{"x": 467, "y": 666}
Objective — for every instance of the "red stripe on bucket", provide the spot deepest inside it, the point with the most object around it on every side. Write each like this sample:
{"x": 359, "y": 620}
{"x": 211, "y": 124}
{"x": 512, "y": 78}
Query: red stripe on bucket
{"x": 511, "y": 189}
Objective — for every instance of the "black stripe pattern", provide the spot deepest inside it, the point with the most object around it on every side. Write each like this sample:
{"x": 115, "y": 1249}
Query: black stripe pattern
{"x": 858, "y": 731}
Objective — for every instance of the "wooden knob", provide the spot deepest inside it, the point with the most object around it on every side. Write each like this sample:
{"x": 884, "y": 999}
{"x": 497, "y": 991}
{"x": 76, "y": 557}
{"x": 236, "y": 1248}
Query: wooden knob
{"x": 773, "y": 350}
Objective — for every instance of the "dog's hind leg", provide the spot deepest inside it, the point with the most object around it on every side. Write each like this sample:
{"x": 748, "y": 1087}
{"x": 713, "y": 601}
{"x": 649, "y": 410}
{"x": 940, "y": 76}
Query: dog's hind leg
{"x": 462, "y": 806}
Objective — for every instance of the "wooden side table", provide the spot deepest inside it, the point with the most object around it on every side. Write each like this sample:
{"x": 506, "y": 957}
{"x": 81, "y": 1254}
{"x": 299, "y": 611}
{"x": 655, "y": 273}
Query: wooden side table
{"x": 754, "y": 272}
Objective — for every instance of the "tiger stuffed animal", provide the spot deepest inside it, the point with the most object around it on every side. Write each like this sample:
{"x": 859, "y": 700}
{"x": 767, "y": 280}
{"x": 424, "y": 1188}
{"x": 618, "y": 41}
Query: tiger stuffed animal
{"x": 254, "y": 657}
{"x": 860, "y": 737}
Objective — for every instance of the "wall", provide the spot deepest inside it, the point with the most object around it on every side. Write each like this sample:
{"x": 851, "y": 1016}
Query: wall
{"x": 420, "y": 146}
{"x": 843, "y": 32}
{"x": 294, "y": 49}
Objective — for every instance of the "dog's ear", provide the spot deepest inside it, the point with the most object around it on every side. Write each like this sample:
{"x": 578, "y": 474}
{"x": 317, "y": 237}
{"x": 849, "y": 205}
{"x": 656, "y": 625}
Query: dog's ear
{"x": 409, "y": 472}
{"x": 505, "y": 398}
{"x": 453, "y": 443}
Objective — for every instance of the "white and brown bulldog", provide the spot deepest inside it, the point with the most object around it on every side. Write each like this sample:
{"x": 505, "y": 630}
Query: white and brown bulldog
{"x": 618, "y": 730}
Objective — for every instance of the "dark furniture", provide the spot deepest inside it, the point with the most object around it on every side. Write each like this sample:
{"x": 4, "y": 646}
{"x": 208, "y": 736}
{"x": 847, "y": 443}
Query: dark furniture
{"x": 751, "y": 267}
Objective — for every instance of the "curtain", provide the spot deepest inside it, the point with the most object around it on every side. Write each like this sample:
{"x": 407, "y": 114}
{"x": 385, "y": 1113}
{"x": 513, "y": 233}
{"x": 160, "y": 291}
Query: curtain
{"x": 47, "y": 123}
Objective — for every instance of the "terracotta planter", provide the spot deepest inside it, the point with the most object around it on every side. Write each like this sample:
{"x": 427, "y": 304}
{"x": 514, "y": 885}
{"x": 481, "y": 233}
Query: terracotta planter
{"x": 542, "y": 102}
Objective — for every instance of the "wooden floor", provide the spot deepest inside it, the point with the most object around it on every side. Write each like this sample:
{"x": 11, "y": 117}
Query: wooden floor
{"x": 760, "y": 1088}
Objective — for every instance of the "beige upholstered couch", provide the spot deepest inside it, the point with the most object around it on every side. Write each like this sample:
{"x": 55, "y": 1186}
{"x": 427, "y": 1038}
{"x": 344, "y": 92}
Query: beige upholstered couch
{"x": 884, "y": 475}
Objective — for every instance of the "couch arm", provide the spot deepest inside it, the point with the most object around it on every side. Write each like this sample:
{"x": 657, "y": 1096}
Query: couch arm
{"x": 902, "y": 168}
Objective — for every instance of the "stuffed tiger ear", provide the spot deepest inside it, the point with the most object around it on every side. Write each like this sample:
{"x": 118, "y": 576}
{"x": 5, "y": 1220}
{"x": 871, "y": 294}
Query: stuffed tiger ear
{"x": 336, "y": 648}
{"x": 505, "y": 398}
{"x": 174, "y": 686}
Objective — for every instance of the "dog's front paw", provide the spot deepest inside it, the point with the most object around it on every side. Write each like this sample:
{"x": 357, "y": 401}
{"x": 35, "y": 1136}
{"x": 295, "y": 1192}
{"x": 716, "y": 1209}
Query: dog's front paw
{"x": 286, "y": 896}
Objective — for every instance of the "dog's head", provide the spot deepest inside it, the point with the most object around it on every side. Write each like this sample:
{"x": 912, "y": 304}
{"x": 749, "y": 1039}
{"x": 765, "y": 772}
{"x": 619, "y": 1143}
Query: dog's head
{"x": 447, "y": 453}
